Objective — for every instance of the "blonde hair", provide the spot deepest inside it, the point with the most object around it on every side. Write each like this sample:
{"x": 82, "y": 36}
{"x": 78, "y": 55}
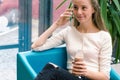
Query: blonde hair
{"x": 96, "y": 17}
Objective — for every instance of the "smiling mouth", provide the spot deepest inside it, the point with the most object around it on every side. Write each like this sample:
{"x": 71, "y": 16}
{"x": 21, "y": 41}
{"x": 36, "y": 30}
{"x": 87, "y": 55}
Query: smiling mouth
{"x": 80, "y": 18}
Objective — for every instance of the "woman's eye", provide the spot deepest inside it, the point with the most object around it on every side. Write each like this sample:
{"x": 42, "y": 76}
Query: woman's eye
{"x": 84, "y": 8}
{"x": 75, "y": 7}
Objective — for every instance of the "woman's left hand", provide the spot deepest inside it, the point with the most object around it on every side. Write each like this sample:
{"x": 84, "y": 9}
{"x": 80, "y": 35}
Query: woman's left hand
{"x": 79, "y": 68}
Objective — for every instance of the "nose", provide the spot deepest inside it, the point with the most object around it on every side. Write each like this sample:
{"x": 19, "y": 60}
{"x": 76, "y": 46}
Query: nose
{"x": 79, "y": 11}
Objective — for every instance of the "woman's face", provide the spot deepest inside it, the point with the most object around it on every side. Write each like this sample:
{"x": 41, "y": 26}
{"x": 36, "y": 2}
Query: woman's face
{"x": 83, "y": 10}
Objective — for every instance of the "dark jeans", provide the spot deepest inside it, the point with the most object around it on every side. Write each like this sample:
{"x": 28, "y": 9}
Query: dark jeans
{"x": 49, "y": 72}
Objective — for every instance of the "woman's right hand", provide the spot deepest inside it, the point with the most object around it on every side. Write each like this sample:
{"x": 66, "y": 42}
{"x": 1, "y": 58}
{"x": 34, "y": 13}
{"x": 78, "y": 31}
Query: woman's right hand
{"x": 64, "y": 18}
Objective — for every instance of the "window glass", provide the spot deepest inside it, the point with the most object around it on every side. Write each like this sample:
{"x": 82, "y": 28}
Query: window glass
{"x": 8, "y": 22}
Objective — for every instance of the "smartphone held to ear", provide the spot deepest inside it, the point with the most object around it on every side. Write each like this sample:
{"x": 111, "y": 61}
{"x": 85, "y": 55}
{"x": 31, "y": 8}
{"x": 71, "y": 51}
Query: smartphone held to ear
{"x": 71, "y": 17}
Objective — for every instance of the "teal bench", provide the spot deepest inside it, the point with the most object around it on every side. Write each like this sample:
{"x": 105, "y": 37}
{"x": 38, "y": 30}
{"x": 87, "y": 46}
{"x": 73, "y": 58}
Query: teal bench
{"x": 30, "y": 63}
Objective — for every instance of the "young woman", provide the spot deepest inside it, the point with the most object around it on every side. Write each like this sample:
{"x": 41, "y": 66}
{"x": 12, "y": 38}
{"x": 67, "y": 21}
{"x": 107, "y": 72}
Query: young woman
{"x": 87, "y": 36}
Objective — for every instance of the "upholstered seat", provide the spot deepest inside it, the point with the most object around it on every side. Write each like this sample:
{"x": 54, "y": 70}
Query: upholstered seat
{"x": 30, "y": 63}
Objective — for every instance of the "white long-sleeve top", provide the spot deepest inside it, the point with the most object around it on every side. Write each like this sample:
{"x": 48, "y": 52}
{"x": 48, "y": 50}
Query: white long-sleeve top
{"x": 96, "y": 47}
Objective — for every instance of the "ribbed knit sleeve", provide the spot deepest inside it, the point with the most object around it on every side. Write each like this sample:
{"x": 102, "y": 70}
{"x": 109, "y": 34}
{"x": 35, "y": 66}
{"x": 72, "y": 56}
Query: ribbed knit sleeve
{"x": 55, "y": 40}
{"x": 105, "y": 54}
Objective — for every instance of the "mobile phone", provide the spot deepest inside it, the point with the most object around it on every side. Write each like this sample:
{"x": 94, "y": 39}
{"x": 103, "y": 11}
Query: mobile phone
{"x": 71, "y": 17}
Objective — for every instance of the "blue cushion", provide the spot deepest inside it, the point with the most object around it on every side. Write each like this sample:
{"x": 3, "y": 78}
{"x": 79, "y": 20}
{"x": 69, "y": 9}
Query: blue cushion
{"x": 29, "y": 63}
{"x": 114, "y": 75}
